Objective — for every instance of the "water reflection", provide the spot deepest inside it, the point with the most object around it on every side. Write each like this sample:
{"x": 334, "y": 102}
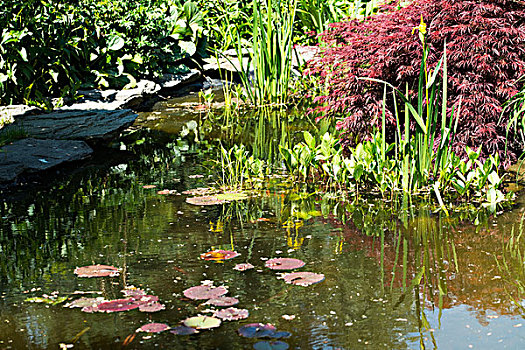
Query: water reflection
{"x": 396, "y": 278}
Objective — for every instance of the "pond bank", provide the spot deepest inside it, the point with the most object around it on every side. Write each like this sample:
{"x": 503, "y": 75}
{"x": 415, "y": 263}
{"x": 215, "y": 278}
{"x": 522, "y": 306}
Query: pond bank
{"x": 68, "y": 134}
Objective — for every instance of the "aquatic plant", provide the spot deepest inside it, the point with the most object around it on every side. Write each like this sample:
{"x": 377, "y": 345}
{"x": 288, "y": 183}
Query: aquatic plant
{"x": 303, "y": 278}
{"x": 483, "y": 43}
{"x": 284, "y": 264}
{"x": 270, "y": 54}
{"x": 153, "y": 328}
{"x": 204, "y": 292}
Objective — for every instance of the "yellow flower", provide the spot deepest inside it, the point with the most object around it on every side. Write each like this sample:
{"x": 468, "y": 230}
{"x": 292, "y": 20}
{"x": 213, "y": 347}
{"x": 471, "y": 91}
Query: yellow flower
{"x": 422, "y": 29}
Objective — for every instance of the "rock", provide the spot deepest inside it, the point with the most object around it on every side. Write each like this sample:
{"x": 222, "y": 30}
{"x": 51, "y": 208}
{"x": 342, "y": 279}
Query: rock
{"x": 29, "y": 156}
{"x": 9, "y": 113}
{"x": 83, "y": 125}
{"x": 170, "y": 81}
{"x": 131, "y": 98}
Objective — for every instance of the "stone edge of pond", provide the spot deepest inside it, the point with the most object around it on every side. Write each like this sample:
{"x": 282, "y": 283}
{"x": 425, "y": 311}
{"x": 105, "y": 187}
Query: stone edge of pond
{"x": 62, "y": 136}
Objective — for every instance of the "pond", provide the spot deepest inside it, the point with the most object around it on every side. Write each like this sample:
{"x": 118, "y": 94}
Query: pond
{"x": 394, "y": 278}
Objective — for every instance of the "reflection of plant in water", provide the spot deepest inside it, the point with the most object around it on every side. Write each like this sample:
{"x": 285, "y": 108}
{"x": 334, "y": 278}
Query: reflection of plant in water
{"x": 511, "y": 265}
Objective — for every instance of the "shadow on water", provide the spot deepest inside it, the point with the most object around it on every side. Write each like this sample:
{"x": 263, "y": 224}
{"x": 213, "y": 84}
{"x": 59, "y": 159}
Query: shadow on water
{"x": 395, "y": 278}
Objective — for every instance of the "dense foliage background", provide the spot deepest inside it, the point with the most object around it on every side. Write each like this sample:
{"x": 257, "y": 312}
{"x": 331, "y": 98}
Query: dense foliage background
{"x": 51, "y": 48}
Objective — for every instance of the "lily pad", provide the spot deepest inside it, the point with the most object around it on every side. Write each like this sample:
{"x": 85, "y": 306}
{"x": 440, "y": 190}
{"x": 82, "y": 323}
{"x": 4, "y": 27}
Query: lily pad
{"x": 154, "y": 328}
{"x": 50, "y": 300}
{"x": 284, "y": 264}
{"x": 147, "y": 187}
{"x": 97, "y": 271}
{"x": 183, "y": 330}
{"x": 202, "y": 322}
{"x": 204, "y": 292}
{"x": 151, "y": 307}
{"x": 303, "y": 278}
{"x": 218, "y": 255}
{"x": 197, "y": 191}
{"x": 85, "y": 302}
{"x": 133, "y": 292}
{"x": 205, "y": 200}
{"x": 223, "y": 301}
{"x": 117, "y": 305}
{"x": 260, "y": 330}
{"x": 145, "y": 299}
{"x": 243, "y": 267}
{"x": 274, "y": 345}
{"x": 231, "y": 314}
{"x": 219, "y": 198}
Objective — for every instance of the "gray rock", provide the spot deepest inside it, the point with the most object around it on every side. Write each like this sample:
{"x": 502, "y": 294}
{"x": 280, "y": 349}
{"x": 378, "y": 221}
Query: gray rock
{"x": 89, "y": 125}
{"x": 29, "y": 156}
{"x": 170, "y": 81}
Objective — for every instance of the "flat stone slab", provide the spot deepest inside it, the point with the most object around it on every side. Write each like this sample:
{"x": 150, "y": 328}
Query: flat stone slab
{"x": 86, "y": 125}
{"x": 30, "y": 155}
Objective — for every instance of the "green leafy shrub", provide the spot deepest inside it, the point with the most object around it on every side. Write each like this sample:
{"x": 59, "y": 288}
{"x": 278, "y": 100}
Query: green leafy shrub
{"x": 51, "y": 48}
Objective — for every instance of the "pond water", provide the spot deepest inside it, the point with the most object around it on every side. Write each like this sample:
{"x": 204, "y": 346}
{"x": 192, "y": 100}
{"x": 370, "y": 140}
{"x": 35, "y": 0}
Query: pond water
{"x": 394, "y": 279}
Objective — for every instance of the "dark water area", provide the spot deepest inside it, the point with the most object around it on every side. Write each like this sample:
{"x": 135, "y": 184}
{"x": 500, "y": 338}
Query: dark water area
{"x": 394, "y": 278}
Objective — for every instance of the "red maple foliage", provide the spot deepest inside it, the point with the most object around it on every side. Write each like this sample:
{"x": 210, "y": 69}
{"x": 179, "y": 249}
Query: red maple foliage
{"x": 485, "y": 41}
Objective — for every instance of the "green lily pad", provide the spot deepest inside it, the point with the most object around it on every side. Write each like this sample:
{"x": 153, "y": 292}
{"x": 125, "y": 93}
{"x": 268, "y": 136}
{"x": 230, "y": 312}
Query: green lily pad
{"x": 202, "y": 322}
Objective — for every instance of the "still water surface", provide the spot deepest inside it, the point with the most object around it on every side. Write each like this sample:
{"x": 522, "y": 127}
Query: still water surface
{"x": 393, "y": 279}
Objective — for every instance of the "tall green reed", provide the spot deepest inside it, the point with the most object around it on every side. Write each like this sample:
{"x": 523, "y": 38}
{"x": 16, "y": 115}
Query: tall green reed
{"x": 270, "y": 54}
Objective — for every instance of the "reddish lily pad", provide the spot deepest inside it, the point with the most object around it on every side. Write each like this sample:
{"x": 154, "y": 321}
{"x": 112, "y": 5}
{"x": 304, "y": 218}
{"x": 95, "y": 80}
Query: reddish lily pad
{"x": 133, "y": 292}
{"x": 218, "y": 255}
{"x": 97, "y": 271}
{"x": 231, "y": 314}
{"x": 151, "y": 307}
{"x": 205, "y": 200}
{"x": 154, "y": 328}
{"x": 147, "y": 187}
{"x": 117, "y": 305}
{"x": 243, "y": 267}
{"x": 284, "y": 264}
{"x": 260, "y": 330}
{"x": 223, "y": 301}
{"x": 164, "y": 192}
{"x": 303, "y": 278}
{"x": 204, "y": 292}
{"x": 183, "y": 330}
{"x": 146, "y": 299}
{"x": 274, "y": 345}
{"x": 202, "y": 322}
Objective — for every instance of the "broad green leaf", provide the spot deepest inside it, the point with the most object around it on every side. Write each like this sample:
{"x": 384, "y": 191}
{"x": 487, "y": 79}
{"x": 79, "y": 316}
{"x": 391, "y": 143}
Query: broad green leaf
{"x": 115, "y": 42}
{"x": 188, "y": 47}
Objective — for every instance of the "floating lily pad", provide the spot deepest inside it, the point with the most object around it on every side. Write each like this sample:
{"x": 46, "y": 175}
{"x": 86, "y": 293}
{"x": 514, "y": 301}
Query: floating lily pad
{"x": 284, "y": 264}
{"x": 202, "y": 322}
{"x": 205, "y": 200}
{"x": 231, "y": 314}
{"x": 223, "y": 301}
{"x": 51, "y": 300}
{"x": 117, "y": 305}
{"x": 97, "y": 271}
{"x": 85, "y": 302}
{"x": 183, "y": 330}
{"x": 151, "y": 307}
{"x": 200, "y": 191}
{"x": 154, "y": 328}
{"x": 303, "y": 278}
{"x": 133, "y": 292}
{"x": 146, "y": 299}
{"x": 217, "y": 198}
{"x": 243, "y": 267}
{"x": 147, "y": 187}
{"x": 164, "y": 192}
{"x": 204, "y": 292}
{"x": 219, "y": 255}
{"x": 260, "y": 330}
{"x": 274, "y": 345}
